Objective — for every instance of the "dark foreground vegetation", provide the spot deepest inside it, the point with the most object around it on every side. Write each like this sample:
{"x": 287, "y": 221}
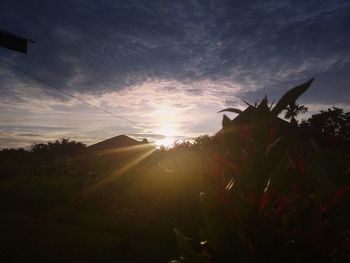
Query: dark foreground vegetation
{"x": 261, "y": 190}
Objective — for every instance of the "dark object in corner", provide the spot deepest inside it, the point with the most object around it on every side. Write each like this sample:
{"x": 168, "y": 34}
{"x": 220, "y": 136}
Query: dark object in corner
{"x": 14, "y": 42}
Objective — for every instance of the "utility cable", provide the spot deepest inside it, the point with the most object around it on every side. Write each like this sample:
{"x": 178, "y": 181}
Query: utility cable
{"x": 64, "y": 92}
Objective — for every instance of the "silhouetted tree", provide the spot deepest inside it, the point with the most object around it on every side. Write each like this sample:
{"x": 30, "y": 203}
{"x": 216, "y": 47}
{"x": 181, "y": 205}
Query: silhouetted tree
{"x": 333, "y": 122}
{"x": 14, "y": 161}
{"x": 293, "y": 110}
{"x": 58, "y": 147}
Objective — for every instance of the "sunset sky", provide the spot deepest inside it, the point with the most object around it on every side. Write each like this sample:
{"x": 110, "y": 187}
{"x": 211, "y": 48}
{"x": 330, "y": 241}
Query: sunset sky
{"x": 168, "y": 66}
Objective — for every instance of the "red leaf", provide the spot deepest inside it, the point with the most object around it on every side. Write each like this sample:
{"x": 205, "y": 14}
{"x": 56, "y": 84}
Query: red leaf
{"x": 263, "y": 201}
{"x": 246, "y": 132}
{"x": 342, "y": 191}
{"x": 299, "y": 163}
{"x": 273, "y": 133}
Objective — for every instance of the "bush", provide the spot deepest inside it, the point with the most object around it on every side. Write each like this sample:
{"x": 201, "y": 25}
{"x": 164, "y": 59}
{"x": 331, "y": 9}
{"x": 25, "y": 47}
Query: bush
{"x": 273, "y": 199}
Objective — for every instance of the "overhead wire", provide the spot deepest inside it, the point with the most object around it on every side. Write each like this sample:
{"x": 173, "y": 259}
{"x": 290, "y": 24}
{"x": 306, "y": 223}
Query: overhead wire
{"x": 64, "y": 92}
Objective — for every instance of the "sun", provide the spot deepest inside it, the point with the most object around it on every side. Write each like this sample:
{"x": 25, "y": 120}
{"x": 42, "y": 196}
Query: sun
{"x": 167, "y": 142}
{"x": 167, "y": 122}
{"x": 169, "y": 132}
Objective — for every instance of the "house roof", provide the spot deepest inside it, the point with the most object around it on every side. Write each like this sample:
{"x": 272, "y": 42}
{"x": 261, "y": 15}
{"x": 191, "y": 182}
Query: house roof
{"x": 113, "y": 143}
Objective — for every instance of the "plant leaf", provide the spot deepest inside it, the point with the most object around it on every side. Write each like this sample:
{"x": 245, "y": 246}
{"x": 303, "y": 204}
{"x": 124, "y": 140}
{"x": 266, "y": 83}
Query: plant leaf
{"x": 226, "y": 122}
{"x": 235, "y": 110}
{"x": 290, "y": 97}
{"x": 247, "y": 103}
{"x": 187, "y": 253}
{"x": 215, "y": 223}
{"x": 340, "y": 193}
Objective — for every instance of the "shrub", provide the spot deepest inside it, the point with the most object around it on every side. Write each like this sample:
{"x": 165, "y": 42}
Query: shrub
{"x": 273, "y": 199}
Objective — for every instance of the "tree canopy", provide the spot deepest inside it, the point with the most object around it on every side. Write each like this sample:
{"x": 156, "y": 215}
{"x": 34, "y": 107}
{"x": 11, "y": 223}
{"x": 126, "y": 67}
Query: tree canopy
{"x": 332, "y": 122}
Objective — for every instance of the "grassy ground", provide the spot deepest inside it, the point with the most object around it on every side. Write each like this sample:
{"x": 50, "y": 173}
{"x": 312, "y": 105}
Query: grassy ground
{"x": 31, "y": 239}
{"x": 129, "y": 218}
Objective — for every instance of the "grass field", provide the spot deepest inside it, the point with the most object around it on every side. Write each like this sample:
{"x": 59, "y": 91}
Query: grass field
{"x": 129, "y": 218}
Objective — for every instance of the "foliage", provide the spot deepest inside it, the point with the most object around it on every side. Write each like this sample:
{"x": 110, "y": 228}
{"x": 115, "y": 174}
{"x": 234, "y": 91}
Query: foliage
{"x": 93, "y": 200}
{"x": 273, "y": 199}
{"x": 290, "y": 97}
{"x": 53, "y": 158}
{"x": 58, "y": 147}
{"x": 272, "y": 193}
{"x": 333, "y": 122}
{"x": 294, "y": 110}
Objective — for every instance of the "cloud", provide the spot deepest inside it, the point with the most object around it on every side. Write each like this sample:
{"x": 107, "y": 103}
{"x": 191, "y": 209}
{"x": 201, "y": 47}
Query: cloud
{"x": 108, "y": 46}
{"x": 153, "y": 105}
{"x": 197, "y": 56}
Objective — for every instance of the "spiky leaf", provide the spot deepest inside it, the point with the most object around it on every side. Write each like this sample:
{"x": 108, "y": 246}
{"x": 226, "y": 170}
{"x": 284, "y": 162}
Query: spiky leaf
{"x": 226, "y": 122}
{"x": 234, "y": 110}
{"x": 290, "y": 97}
{"x": 247, "y": 103}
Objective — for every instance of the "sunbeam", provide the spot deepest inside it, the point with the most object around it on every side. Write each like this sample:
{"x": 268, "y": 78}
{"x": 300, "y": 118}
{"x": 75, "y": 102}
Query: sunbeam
{"x": 115, "y": 174}
{"x": 133, "y": 148}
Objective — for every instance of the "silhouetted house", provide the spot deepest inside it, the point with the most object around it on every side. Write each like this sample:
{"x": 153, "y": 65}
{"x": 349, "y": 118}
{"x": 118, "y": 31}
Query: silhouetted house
{"x": 117, "y": 142}
{"x": 14, "y": 42}
{"x": 119, "y": 150}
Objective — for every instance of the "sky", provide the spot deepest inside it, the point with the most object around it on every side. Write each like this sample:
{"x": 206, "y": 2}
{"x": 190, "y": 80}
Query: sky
{"x": 168, "y": 66}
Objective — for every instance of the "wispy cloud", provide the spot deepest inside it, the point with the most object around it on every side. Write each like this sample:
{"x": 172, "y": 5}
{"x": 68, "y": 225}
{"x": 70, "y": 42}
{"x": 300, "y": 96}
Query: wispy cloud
{"x": 195, "y": 57}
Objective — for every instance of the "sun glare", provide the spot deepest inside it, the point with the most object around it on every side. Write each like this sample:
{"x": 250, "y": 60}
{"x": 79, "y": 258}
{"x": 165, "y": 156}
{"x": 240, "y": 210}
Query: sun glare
{"x": 167, "y": 118}
{"x": 169, "y": 132}
{"x": 167, "y": 142}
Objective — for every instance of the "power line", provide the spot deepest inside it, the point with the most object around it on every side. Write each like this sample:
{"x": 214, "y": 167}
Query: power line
{"x": 64, "y": 92}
